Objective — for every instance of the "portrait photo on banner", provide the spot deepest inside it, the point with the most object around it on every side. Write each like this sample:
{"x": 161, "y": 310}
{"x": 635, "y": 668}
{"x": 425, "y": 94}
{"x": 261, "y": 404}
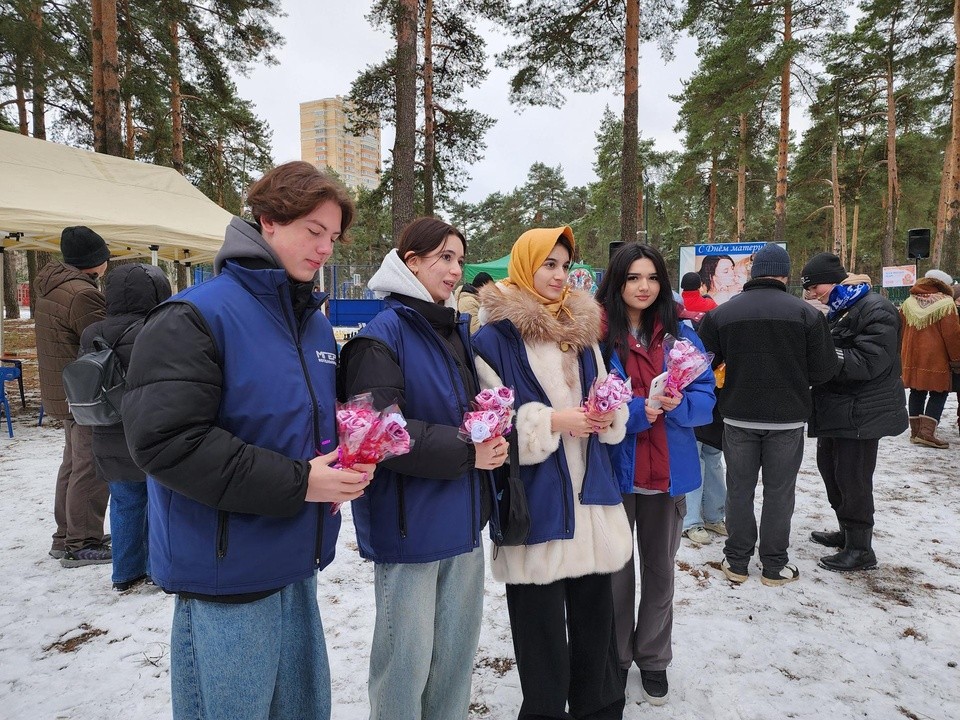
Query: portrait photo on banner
{"x": 723, "y": 267}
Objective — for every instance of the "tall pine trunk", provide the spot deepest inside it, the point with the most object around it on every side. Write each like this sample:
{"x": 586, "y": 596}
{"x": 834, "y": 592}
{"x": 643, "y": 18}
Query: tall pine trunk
{"x": 107, "y": 134}
{"x": 943, "y": 205}
{"x": 10, "y": 304}
{"x": 893, "y": 182}
{"x": 742, "y": 182}
{"x": 39, "y": 81}
{"x": 952, "y": 225}
{"x": 405, "y": 141}
{"x": 712, "y": 203}
{"x": 429, "y": 111}
{"x": 20, "y": 80}
{"x": 839, "y": 234}
{"x": 628, "y": 168}
{"x": 854, "y": 233}
{"x": 176, "y": 101}
{"x": 780, "y": 203}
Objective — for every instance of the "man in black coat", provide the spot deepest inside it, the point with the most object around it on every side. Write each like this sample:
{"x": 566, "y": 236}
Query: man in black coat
{"x": 864, "y": 402}
{"x": 775, "y": 346}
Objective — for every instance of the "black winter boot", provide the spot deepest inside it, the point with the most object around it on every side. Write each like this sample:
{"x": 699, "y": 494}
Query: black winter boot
{"x": 835, "y": 539}
{"x": 857, "y": 554}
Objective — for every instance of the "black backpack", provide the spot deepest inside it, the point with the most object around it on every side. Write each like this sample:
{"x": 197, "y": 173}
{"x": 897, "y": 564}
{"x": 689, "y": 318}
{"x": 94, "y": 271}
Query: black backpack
{"x": 95, "y": 382}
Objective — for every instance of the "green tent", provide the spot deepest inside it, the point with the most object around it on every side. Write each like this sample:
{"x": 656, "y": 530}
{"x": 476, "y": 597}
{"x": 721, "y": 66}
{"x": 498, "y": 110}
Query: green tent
{"x": 497, "y": 269}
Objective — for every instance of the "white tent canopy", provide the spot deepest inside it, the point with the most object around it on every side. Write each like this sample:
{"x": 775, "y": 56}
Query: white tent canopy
{"x": 45, "y": 187}
{"x": 137, "y": 208}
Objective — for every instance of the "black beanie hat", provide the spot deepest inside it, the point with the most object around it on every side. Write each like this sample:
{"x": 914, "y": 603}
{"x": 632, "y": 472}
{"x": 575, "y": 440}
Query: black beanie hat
{"x": 83, "y": 248}
{"x": 822, "y": 268}
{"x": 481, "y": 279}
{"x": 770, "y": 261}
{"x": 690, "y": 281}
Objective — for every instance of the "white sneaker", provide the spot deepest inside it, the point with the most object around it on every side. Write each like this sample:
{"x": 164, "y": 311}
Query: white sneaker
{"x": 719, "y": 527}
{"x": 733, "y": 575}
{"x": 697, "y": 535}
{"x": 788, "y": 574}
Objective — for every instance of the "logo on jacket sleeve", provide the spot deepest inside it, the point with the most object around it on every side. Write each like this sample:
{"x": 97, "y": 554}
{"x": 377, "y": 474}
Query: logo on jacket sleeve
{"x": 328, "y": 358}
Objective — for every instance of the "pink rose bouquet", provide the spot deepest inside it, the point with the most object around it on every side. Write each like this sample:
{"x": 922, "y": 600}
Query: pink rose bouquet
{"x": 608, "y": 394}
{"x": 368, "y": 436}
{"x": 491, "y": 416}
{"x": 685, "y": 362}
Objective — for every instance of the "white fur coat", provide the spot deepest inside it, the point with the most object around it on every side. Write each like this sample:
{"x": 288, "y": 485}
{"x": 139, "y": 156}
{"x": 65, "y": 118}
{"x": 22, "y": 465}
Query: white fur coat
{"x": 602, "y": 541}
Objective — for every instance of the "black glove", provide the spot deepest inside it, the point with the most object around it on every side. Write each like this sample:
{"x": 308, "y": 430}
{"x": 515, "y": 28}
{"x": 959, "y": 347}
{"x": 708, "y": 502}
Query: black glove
{"x": 955, "y": 366}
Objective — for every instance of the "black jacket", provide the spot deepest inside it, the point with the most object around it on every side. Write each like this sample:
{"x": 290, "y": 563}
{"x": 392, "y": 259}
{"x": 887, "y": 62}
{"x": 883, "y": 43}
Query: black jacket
{"x": 131, "y": 291}
{"x": 866, "y": 398}
{"x": 775, "y": 346}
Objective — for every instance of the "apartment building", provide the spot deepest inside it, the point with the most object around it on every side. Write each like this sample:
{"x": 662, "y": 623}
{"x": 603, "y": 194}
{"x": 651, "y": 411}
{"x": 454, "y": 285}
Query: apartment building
{"x": 326, "y": 141}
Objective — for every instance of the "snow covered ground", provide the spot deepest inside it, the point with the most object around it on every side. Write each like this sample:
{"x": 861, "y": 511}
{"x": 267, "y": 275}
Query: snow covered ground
{"x": 878, "y": 645}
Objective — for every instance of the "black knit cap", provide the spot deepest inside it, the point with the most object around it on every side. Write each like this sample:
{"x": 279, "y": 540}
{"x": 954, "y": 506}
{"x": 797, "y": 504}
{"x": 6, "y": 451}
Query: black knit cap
{"x": 770, "y": 261}
{"x": 83, "y": 248}
{"x": 690, "y": 281}
{"x": 822, "y": 268}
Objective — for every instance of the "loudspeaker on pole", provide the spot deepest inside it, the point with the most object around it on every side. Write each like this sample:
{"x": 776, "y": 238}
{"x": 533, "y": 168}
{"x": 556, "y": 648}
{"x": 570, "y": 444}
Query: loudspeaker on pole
{"x": 918, "y": 243}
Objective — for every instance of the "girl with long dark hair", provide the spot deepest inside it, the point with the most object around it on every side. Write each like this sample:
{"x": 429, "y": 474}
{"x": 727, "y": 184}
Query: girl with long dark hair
{"x": 421, "y": 517}
{"x": 657, "y": 462}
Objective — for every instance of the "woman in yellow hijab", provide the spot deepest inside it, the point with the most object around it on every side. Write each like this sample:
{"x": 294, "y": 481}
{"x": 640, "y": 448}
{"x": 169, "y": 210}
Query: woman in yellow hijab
{"x": 541, "y": 339}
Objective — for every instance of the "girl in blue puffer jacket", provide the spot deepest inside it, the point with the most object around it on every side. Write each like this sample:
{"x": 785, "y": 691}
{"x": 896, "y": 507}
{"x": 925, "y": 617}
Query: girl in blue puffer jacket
{"x": 657, "y": 462}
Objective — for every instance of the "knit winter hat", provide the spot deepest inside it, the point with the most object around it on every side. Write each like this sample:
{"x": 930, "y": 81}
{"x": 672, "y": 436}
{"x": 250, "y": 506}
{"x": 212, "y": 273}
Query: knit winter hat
{"x": 690, "y": 281}
{"x": 83, "y": 248}
{"x": 939, "y": 275}
{"x": 822, "y": 268}
{"x": 770, "y": 261}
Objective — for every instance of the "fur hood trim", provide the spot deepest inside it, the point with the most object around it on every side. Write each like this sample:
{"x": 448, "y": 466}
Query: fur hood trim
{"x": 535, "y": 324}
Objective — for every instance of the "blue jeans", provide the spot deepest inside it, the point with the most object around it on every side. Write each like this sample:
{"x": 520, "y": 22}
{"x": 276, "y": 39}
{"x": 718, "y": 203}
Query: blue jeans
{"x": 257, "y": 661}
{"x": 128, "y": 526}
{"x": 706, "y": 503}
{"x": 777, "y": 453}
{"x": 425, "y": 638}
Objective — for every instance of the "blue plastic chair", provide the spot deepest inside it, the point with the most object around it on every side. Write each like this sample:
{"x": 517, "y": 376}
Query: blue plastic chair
{"x": 7, "y": 374}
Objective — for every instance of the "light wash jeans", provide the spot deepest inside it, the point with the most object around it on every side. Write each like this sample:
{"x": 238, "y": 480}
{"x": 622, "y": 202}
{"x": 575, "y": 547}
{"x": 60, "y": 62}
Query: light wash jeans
{"x": 706, "y": 503}
{"x": 425, "y": 638}
{"x": 128, "y": 527}
{"x": 263, "y": 660}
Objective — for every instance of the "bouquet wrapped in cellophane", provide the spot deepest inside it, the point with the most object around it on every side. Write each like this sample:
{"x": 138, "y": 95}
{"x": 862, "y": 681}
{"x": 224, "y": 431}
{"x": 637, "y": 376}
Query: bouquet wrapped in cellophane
{"x": 491, "y": 417}
{"x": 368, "y": 436}
{"x": 685, "y": 362}
{"x": 608, "y": 394}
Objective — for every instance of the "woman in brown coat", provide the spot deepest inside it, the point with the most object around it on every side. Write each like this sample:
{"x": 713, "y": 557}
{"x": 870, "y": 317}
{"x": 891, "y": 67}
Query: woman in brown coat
{"x": 929, "y": 351}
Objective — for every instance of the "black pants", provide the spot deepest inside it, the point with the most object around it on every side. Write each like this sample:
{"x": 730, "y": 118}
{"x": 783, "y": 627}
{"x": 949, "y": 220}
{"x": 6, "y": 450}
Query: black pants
{"x": 566, "y": 650}
{"x": 934, "y": 406}
{"x": 847, "y": 465}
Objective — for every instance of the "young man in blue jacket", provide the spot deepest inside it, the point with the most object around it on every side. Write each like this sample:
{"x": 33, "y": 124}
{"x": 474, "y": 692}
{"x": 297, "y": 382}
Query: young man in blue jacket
{"x": 231, "y": 398}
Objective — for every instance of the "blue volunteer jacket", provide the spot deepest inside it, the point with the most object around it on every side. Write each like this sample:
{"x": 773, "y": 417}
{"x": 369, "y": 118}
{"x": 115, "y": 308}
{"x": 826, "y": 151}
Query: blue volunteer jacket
{"x": 408, "y": 519}
{"x": 547, "y": 484}
{"x": 196, "y": 548}
{"x": 694, "y": 410}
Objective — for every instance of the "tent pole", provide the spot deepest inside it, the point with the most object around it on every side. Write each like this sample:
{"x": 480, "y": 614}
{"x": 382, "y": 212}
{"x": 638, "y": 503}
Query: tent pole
{"x": 3, "y": 310}
{"x": 153, "y": 254}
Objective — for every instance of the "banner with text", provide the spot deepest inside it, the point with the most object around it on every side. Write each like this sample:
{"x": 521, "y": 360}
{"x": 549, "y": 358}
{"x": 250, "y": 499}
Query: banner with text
{"x": 723, "y": 267}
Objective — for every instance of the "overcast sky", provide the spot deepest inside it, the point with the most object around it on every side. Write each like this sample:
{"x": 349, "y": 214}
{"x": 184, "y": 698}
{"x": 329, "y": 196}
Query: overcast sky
{"x": 328, "y": 42}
